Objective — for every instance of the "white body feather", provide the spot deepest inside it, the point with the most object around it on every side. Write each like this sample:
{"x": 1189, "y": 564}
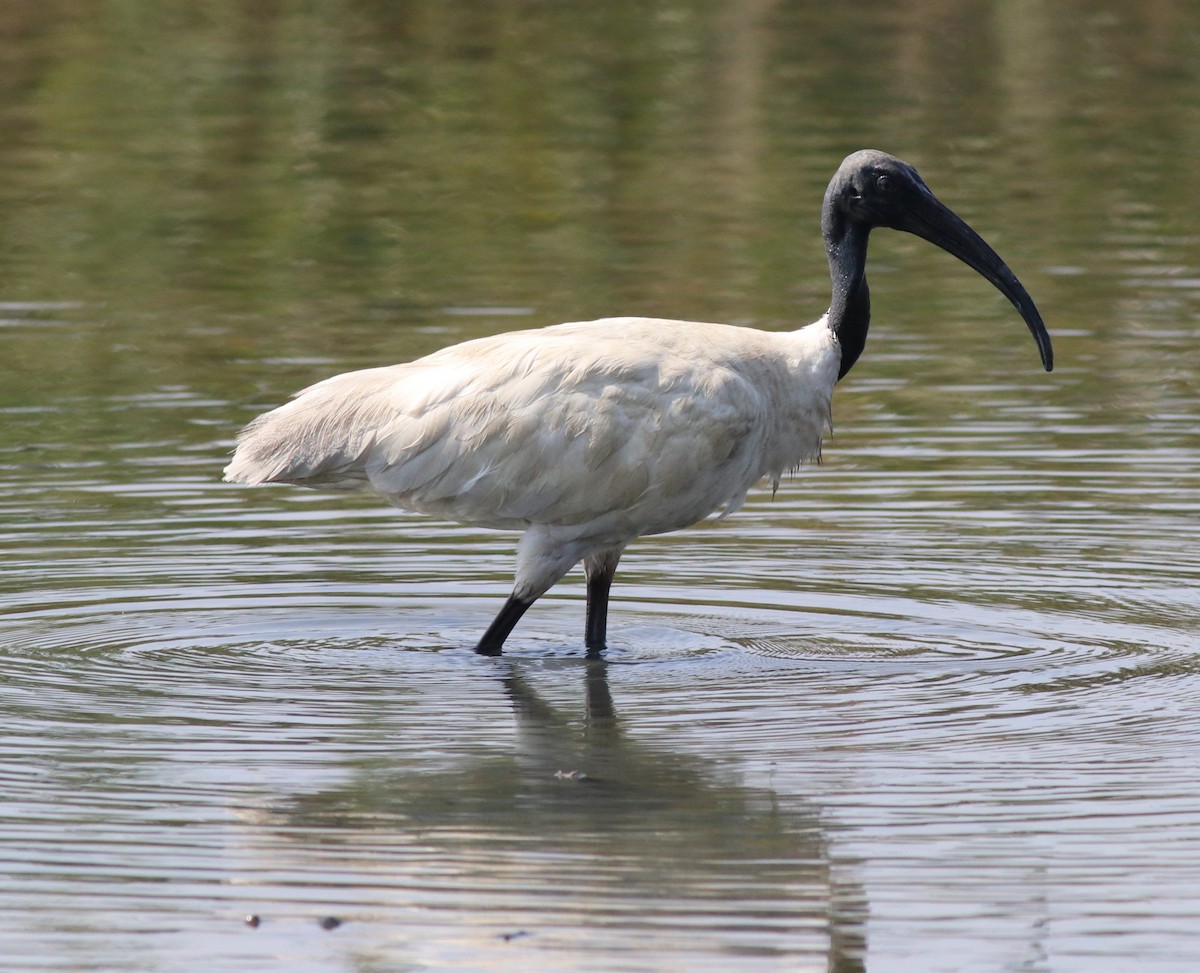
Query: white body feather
{"x": 584, "y": 435}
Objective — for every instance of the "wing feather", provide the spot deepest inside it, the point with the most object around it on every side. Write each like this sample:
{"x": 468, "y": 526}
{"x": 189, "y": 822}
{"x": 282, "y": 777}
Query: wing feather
{"x": 652, "y": 424}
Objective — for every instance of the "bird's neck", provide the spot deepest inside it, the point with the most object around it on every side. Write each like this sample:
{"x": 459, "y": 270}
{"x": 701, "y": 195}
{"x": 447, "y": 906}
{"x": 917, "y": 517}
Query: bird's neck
{"x": 850, "y": 307}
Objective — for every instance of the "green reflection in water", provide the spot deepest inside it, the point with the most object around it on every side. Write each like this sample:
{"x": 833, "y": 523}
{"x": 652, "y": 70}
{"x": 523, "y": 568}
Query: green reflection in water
{"x": 323, "y": 181}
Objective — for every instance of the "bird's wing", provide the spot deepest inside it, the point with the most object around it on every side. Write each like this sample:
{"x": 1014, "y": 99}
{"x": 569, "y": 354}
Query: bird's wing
{"x": 562, "y": 430}
{"x": 561, "y": 426}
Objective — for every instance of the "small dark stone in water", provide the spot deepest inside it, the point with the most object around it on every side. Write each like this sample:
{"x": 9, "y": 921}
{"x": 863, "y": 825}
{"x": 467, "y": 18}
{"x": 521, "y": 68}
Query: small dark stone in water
{"x": 508, "y": 937}
{"x": 330, "y": 922}
{"x": 253, "y": 921}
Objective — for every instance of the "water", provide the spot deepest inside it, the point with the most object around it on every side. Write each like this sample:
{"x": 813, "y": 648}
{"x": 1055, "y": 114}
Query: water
{"x": 932, "y": 707}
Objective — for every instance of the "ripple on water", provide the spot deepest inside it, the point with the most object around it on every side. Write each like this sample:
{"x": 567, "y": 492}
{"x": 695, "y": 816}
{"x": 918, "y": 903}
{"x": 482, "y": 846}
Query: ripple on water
{"x": 222, "y": 701}
{"x": 318, "y": 769}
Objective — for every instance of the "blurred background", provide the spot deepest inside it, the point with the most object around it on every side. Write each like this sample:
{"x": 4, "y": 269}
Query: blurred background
{"x": 208, "y": 183}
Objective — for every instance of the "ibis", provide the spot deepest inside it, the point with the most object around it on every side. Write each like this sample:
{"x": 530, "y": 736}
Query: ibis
{"x": 584, "y": 436}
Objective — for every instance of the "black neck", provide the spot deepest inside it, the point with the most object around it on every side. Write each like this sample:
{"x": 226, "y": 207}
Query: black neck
{"x": 850, "y": 306}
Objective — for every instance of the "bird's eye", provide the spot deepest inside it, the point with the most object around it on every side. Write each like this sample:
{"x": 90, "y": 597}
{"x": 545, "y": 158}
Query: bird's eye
{"x": 884, "y": 184}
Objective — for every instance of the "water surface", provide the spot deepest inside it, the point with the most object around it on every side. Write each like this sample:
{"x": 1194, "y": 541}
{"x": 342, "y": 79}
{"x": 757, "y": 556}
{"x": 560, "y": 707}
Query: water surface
{"x": 933, "y": 706}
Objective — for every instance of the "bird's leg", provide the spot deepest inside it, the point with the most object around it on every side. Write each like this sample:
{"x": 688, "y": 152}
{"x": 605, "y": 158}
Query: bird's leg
{"x": 542, "y": 558}
{"x": 596, "y": 626}
{"x": 492, "y": 642}
{"x": 599, "y": 569}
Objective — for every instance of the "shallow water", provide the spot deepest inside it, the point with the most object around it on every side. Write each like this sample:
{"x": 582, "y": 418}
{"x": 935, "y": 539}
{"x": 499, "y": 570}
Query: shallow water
{"x": 933, "y": 706}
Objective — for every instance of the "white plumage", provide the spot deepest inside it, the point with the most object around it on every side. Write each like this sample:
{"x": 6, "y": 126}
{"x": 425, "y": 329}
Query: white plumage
{"x": 587, "y": 435}
{"x": 584, "y": 435}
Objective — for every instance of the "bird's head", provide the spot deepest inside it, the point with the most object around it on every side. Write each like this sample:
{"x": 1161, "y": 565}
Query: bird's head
{"x": 873, "y": 189}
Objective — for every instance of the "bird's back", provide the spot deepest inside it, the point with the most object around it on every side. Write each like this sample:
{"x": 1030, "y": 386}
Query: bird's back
{"x": 625, "y": 425}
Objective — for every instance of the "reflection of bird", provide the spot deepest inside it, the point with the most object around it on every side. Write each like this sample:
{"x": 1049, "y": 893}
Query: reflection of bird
{"x": 571, "y": 821}
{"x": 587, "y": 435}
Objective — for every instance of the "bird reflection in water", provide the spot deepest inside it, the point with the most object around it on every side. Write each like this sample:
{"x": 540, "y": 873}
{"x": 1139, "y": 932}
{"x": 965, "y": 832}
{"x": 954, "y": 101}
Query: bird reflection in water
{"x": 577, "y": 839}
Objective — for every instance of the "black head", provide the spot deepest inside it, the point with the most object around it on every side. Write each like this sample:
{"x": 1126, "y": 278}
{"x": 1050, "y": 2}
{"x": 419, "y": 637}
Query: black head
{"x": 872, "y": 188}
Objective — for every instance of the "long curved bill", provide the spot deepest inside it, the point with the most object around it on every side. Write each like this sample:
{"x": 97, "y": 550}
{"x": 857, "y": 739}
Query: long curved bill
{"x": 932, "y": 220}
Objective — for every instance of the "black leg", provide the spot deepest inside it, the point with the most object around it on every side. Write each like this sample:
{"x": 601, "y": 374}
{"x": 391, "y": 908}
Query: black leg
{"x": 492, "y": 642}
{"x": 596, "y": 626}
{"x": 600, "y": 569}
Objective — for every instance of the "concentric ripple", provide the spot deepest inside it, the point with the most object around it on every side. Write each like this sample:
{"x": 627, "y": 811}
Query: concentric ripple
{"x": 951, "y": 686}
